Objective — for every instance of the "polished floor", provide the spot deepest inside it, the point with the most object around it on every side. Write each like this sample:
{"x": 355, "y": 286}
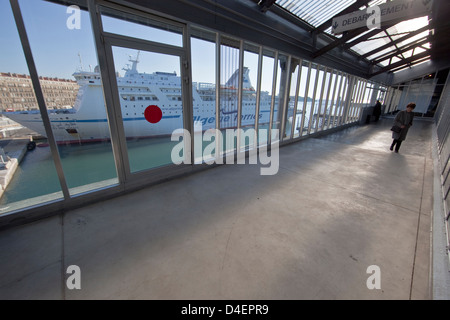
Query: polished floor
{"x": 339, "y": 205}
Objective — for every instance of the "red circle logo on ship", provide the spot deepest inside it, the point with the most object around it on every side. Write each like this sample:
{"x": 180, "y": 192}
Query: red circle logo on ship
{"x": 153, "y": 114}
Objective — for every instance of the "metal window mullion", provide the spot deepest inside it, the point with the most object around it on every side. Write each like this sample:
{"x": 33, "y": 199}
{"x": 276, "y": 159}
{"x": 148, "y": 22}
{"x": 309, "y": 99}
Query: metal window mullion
{"x": 355, "y": 88}
{"x": 355, "y": 99}
{"x": 384, "y": 97}
{"x": 361, "y": 100}
{"x": 131, "y": 41}
{"x": 421, "y": 83}
{"x": 332, "y": 98}
{"x": 388, "y": 97}
{"x": 240, "y": 87}
{"x": 297, "y": 89}
{"x": 311, "y": 113}
{"x": 272, "y": 102}
{"x": 39, "y": 96}
{"x": 305, "y": 98}
{"x": 285, "y": 100}
{"x": 391, "y": 99}
{"x": 365, "y": 99}
{"x": 316, "y": 126}
{"x": 358, "y": 100}
{"x": 113, "y": 111}
{"x": 338, "y": 100}
{"x": 186, "y": 90}
{"x": 349, "y": 96}
{"x": 343, "y": 102}
{"x": 342, "y": 90}
{"x": 394, "y": 98}
{"x": 140, "y": 12}
{"x": 258, "y": 97}
{"x": 218, "y": 62}
{"x": 327, "y": 100}
{"x": 398, "y": 97}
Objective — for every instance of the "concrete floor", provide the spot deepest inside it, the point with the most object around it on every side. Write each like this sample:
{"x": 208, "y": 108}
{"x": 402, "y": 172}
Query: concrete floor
{"x": 339, "y": 204}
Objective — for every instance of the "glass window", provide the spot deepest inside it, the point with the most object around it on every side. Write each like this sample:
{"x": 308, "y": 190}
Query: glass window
{"x": 229, "y": 84}
{"x": 300, "y": 124}
{"x": 354, "y": 100}
{"x": 323, "y": 100}
{"x": 27, "y": 171}
{"x": 341, "y": 101}
{"x": 141, "y": 27}
{"x": 250, "y": 76}
{"x": 336, "y": 99}
{"x": 362, "y": 97}
{"x": 317, "y": 99}
{"x": 149, "y": 126}
{"x": 265, "y": 96}
{"x": 203, "y": 56}
{"x": 330, "y": 99}
{"x": 313, "y": 77}
{"x": 292, "y": 103}
{"x": 65, "y": 54}
{"x": 282, "y": 77}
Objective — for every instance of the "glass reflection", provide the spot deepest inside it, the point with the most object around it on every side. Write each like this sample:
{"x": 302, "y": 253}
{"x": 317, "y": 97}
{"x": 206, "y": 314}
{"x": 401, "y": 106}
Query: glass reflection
{"x": 265, "y": 97}
{"x": 64, "y": 53}
{"x": 151, "y": 102}
{"x": 27, "y": 171}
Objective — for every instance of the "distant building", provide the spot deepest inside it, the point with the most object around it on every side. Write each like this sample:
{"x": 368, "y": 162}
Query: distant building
{"x": 17, "y": 93}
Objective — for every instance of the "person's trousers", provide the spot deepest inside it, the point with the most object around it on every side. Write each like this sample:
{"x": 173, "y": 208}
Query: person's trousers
{"x": 397, "y": 144}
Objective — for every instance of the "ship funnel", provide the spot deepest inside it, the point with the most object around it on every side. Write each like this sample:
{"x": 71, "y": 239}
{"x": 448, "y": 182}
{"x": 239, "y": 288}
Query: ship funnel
{"x": 234, "y": 80}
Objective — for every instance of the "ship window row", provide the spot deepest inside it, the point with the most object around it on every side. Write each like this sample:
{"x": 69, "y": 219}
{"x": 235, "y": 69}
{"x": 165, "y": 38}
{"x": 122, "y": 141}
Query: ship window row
{"x": 158, "y": 83}
{"x": 165, "y": 90}
{"x": 139, "y": 98}
{"x": 137, "y": 89}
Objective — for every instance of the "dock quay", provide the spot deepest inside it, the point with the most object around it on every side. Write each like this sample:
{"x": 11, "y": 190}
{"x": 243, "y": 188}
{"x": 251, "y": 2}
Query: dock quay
{"x": 11, "y": 154}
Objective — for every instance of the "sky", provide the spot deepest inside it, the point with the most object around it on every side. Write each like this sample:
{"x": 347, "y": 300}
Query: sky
{"x": 55, "y": 48}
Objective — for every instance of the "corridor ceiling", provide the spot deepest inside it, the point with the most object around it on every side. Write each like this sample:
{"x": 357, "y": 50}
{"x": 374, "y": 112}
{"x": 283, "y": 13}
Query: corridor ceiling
{"x": 397, "y": 45}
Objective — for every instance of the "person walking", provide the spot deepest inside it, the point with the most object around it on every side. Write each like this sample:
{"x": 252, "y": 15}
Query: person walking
{"x": 404, "y": 120}
{"x": 377, "y": 110}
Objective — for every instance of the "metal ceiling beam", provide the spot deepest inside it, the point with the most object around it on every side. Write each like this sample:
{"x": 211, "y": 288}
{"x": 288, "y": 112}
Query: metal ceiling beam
{"x": 354, "y": 7}
{"x": 363, "y": 38}
{"x": 346, "y": 37}
{"x": 401, "y": 63}
{"x": 387, "y": 45}
{"x": 409, "y": 65}
{"x": 395, "y": 45}
{"x": 403, "y": 49}
{"x": 265, "y": 5}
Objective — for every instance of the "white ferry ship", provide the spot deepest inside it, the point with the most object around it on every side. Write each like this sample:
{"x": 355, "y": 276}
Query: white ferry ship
{"x": 86, "y": 121}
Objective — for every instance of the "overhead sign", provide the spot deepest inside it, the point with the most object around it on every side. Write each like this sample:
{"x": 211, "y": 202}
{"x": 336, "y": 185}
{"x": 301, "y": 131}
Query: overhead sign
{"x": 373, "y": 17}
